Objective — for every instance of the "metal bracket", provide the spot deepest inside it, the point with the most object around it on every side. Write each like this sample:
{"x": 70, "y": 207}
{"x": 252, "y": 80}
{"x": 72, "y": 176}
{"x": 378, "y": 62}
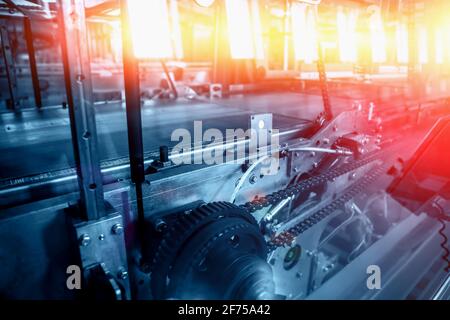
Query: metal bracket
{"x": 261, "y": 125}
{"x": 102, "y": 244}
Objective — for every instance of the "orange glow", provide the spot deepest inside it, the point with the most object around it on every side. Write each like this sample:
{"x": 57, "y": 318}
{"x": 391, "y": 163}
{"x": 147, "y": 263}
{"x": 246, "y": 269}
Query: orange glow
{"x": 304, "y": 33}
{"x": 346, "y": 24}
{"x": 402, "y": 43}
{"x": 176, "y": 31}
{"x": 378, "y": 37}
{"x": 244, "y": 29}
{"x": 151, "y": 29}
{"x": 423, "y": 46}
{"x": 439, "y": 41}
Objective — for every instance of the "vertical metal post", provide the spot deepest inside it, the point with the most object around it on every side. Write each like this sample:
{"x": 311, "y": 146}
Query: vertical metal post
{"x": 9, "y": 66}
{"x": 323, "y": 81}
{"x": 412, "y": 42}
{"x": 32, "y": 58}
{"x": 31, "y": 53}
{"x": 133, "y": 110}
{"x": 77, "y": 75}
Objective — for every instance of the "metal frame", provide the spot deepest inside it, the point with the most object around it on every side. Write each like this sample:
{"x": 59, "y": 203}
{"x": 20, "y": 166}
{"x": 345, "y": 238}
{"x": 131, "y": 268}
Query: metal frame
{"x": 134, "y": 118}
{"x": 77, "y": 75}
{"x": 9, "y": 66}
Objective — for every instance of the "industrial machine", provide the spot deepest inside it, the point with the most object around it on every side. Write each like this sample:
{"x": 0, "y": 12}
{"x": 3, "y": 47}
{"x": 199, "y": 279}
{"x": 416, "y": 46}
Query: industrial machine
{"x": 227, "y": 149}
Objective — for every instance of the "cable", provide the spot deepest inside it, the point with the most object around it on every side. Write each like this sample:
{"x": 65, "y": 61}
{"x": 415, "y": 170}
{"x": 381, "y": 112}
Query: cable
{"x": 245, "y": 176}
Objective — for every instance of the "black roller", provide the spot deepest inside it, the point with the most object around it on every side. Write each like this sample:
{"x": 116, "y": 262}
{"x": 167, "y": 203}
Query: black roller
{"x": 214, "y": 252}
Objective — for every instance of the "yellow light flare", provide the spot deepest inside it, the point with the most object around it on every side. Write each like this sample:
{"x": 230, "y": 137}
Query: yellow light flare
{"x": 151, "y": 29}
{"x": 304, "y": 33}
{"x": 378, "y": 37}
{"x": 346, "y": 23}
{"x": 244, "y": 29}
{"x": 439, "y": 41}
{"x": 423, "y": 45}
{"x": 257, "y": 30}
{"x": 402, "y": 43}
{"x": 116, "y": 40}
{"x": 176, "y": 31}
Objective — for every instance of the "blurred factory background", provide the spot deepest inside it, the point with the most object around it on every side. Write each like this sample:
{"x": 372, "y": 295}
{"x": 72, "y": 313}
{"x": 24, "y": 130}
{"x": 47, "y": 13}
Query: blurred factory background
{"x": 355, "y": 93}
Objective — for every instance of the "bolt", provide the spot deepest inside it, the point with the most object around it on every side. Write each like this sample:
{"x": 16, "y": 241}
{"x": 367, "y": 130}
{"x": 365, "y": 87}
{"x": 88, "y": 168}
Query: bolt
{"x": 335, "y": 128}
{"x": 299, "y": 275}
{"x": 84, "y": 240}
{"x": 352, "y": 176}
{"x": 296, "y": 154}
{"x": 296, "y": 170}
{"x": 123, "y": 274}
{"x": 253, "y": 179}
{"x": 117, "y": 229}
{"x": 312, "y": 154}
{"x": 101, "y": 237}
{"x": 315, "y": 165}
{"x": 326, "y": 141}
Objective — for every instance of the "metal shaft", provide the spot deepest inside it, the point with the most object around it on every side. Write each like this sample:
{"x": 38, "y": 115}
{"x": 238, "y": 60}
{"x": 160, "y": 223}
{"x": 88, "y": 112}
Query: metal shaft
{"x": 33, "y": 65}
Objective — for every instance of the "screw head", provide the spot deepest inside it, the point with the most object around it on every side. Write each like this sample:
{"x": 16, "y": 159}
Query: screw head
{"x": 84, "y": 240}
{"x": 101, "y": 237}
{"x": 117, "y": 229}
{"x": 160, "y": 225}
{"x": 123, "y": 274}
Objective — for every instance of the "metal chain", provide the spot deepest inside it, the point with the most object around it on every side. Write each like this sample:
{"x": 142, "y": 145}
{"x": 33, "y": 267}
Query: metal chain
{"x": 287, "y": 237}
{"x": 308, "y": 184}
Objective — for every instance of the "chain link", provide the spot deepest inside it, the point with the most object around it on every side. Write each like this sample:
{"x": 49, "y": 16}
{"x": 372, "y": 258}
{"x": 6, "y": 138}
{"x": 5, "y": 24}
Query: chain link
{"x": 306, "y": 185}
{"x": 288, "y": 236}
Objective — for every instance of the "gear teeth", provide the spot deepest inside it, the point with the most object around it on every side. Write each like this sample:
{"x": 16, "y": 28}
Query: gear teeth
{"x": 182, "y": 229}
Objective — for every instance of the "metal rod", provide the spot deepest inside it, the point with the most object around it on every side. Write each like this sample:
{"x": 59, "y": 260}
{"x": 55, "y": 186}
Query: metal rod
{"x": 327, "y": 109}
{"x": 31, "y": 53}
{"x": 77, "y": 76}
{"x": 33, "y": 65}
{"x": 169, "y": 79}
{"x": 134, "y": 118}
